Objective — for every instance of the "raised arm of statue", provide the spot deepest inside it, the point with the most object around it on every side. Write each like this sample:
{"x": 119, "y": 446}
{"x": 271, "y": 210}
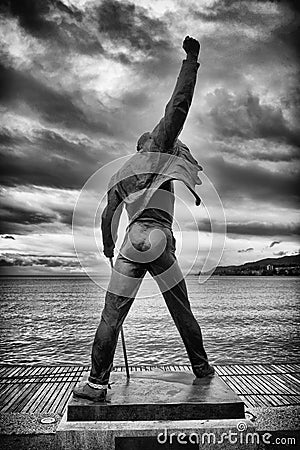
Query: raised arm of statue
{"x": 170, "y": 126}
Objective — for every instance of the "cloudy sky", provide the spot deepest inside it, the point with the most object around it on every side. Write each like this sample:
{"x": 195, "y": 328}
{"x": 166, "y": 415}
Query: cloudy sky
{"x": 81, "y": 80}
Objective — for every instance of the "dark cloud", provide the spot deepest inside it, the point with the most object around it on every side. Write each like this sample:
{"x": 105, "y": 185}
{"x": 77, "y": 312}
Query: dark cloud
{"x": 22, "y": 219}
{"x": 7, "y": 139}
{"x": 251, "y": 45}
{"x": 250, "y": 228}
{"x": 246, "y": 250}
{"x": 274, "y": 243}
{"x": 55, "y": 107}
{"x": 132, "y": 26}
{"x": 237, "y": 181}
{"x": 31, "y": 15}
{"x": 236, "y": 11}
{"x": 261, "y": 150}
{"x": 289, "y": 36}
{"x": 263, "y": 229}
{"x": 228, "y": 12}
{"x": 16, "y": 219}
{"x": 54, "y": 22}
{"x": 51, "y": 160}
{"x": 276, "y": 155}
{"x": 18, "y": 259}
{"x": 244, "y": 116}
{"x": 8, "y": 237}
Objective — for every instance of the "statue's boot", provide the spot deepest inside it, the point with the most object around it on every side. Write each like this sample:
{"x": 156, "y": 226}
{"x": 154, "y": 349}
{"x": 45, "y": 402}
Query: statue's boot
{"x": 86, "y": 391}
{"x": 202, "y": 372}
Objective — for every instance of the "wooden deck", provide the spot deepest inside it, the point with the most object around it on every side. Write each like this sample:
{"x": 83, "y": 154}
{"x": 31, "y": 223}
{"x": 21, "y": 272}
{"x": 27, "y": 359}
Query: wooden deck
{"x": 46, "y": 389}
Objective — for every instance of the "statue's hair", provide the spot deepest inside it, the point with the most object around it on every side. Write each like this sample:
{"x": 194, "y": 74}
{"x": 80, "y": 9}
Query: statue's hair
{"x": 142, "y": 140}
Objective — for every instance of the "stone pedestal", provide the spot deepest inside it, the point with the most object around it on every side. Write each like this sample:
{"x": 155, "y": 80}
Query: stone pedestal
{"x": 159, "y": 395}
{"x": 226, "y": 434}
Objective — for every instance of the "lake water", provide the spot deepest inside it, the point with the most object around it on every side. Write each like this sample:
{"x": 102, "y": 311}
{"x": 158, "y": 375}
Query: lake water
{"x": 243, "y": 320}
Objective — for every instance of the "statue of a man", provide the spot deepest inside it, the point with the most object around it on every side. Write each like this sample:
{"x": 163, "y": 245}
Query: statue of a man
{"x": 144, "y": 184}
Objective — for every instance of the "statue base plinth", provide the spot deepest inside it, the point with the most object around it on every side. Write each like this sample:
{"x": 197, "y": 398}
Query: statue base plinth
{"x": 160, "y": 395}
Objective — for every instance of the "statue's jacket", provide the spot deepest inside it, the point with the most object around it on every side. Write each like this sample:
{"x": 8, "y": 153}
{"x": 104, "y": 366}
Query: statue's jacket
{"x": 163, "y": 158}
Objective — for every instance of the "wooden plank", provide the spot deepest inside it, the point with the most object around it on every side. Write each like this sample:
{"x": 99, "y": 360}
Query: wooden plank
{"x": 287, "y": 387}
{"x": 296, "y": 375}
{"x": 248, "y": 384}
{"x": 278, "y": 368}
{"x": 44, "y": 388}
{"x": 245, "y": 384}
{"x": 55, "y": 400}
{"x": 20, "y": 400}
{"x": 267, "y": 385}
{"x": 44, "y": 396}
{"x": 10, "y": 394}
{"x": 251, "y": 369}
{"x": 248, "y": 400}
{"x": 285, "y": 400}
{"x": 294, "y": 399}
{"x": 230, "y": 381}
{"x": 260, "y": 401}
{"x": 232, "y": 385}
{"x": 227, "y": 370}
{"x": 253, "y": 382}
{"x": 44, "y": 399}
{"x": 260, "y": 369}
{"x": 274, "y": 400}
{"x": 290, "y": 368}
{"x": 36, "y": 371}
{"x": 3, "y": 393}
{"x": 261, "y": 384}
{"x": 279, "y": 384}
{"x": 274, "y": 383}
{"x": 64, "y": 399}
{"x": 37, "y": 393}
{"x": 220, "y": 371}
{"x": 15, "y": 373}
{"x": 11, "y": 371}
{"x": 293, "y": 380}
{"x": 28, "y": 371}
{"x": 23, "y": 400}
{"x": 3, "y": 370}
{"x": 242, "y": 385}
{"x": 242, "y": 370}
{"x": 14, "y": 396}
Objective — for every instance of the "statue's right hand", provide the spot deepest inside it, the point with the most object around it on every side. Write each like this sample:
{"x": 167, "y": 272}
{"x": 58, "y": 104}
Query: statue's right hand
{"x": 191, "y": 45}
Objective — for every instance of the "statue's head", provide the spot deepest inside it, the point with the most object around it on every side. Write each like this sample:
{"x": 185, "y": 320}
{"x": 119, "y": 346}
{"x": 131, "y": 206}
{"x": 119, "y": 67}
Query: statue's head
{"x": 143, "y": 140}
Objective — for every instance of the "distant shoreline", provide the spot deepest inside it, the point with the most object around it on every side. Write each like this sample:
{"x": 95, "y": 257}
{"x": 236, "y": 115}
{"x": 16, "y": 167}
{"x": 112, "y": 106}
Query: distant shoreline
{"x": 189, "y": 275}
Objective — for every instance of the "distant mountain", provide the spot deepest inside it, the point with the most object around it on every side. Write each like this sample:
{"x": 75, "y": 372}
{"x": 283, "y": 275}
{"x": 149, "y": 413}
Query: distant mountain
{"x": 286, "y": 265}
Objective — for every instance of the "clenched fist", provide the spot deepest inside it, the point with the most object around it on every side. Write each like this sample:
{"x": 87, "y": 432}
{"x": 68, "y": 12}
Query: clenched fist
{"x": 191, "y": 45}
